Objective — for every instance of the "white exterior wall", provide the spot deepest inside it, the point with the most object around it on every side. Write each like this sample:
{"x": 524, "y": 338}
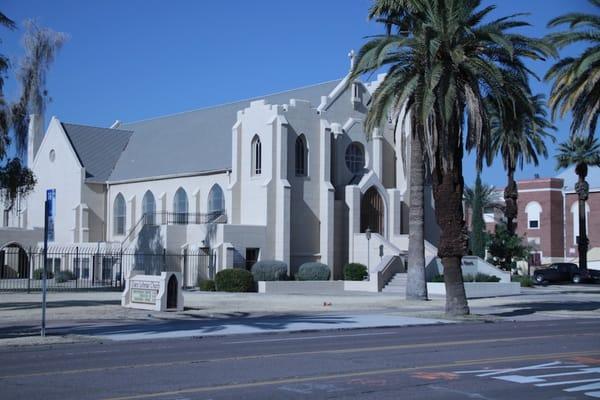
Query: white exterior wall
{"x": 197, "y": 189}
{"x": 65, "y": 174}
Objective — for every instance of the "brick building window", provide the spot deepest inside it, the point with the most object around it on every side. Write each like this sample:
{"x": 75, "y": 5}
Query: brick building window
{"x": 533, "y": 211}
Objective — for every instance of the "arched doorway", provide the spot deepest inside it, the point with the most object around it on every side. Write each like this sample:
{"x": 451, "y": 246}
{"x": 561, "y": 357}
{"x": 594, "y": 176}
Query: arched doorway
{"x": 371, "y": 211}
{"x": 14, "y": 262}
{"x": 172, "y": 292}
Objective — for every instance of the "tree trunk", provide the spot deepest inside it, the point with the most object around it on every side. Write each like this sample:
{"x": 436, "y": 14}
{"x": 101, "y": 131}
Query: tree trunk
{"x": 582, "y": 189}
{"x": 448, "y": 192}
{"x": 416, "y": 287}
{"x": 511, "y": 194}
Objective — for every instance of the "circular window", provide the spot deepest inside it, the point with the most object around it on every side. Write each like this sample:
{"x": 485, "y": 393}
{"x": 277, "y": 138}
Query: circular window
{"x": 355, "y": 157}
{"x": 52, "y": 155}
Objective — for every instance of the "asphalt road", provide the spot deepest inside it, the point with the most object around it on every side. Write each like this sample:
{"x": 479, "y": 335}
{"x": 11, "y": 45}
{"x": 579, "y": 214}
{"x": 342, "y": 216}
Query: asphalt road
{"x": 503, "y": 360}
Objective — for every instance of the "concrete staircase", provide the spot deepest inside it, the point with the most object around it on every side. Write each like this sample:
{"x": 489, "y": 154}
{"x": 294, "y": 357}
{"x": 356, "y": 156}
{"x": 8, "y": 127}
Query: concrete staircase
{"x": 396, "y": 285}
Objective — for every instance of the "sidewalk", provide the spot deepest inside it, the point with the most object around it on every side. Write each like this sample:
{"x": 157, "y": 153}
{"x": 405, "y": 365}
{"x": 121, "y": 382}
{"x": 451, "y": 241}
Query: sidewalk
{"x": 101, "y": 315}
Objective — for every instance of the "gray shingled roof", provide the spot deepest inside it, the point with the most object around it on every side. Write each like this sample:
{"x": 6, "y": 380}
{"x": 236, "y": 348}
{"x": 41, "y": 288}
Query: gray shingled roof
{"x": 194, "y": 141}
{"x": 98, "y": 149}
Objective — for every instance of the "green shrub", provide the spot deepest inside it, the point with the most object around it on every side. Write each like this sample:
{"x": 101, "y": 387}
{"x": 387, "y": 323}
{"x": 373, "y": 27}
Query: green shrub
{"x": 37, "y": 274}
{"x": 64, "y": 276}
{"x": 270, "y": 270}
{"x": 355, "y": 272}
{"x": 313, "y": 271}
{"x": 481, "y": 278}
{"x": 234, "y": 280}
{"x": 207, "y": 285}
{"x": 438, "y": 278}
{"x": 524, "y": 280}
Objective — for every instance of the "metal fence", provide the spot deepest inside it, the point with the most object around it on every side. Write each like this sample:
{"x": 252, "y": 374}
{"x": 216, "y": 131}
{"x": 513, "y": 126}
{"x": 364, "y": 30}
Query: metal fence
{"x": 86, "y": 269}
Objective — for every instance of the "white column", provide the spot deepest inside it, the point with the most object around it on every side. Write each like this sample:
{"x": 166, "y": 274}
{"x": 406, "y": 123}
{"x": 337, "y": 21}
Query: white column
{"x": 326, "y": 200}
{"x": 377, "y": 146}
{"x": 282, "y": 223}
{"x": 353, "y": 203}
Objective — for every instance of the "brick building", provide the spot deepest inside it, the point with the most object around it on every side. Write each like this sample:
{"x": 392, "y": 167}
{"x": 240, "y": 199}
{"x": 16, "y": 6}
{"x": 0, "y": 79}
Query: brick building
{"x": 549, "y": 215}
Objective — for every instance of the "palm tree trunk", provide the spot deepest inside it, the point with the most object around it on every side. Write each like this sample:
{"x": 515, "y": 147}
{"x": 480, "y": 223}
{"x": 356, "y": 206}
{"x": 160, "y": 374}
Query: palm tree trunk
{"x": 416, "y": 287}
{"x": 511, "y": 194}
{"x": 448, "y": 191}
{"x": 582, "y": 189}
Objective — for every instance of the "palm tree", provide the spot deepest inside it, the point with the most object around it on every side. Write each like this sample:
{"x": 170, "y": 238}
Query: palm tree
{"x": 519, "y": 137}
{"x": 4, "y": 109}
{"x": 441, "y": 71}
{"x": 391, "y": 13}
{"x": 583, "y": 153}
{"x": 576, "y": 86}
{"x": 488, "y": 196}
{"x": 41, "y": 46}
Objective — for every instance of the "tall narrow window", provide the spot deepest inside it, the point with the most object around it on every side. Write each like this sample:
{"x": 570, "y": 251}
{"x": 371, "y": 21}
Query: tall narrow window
{"x": 180, "y": 207}
{"x": 119, "y": 211}
{"x": 301, "y": 156}
{"x": 256, "y": 156}
{"x": 216, "y": 203}
{"x": 533, "y": 211}
{"x": 149, "y": 208}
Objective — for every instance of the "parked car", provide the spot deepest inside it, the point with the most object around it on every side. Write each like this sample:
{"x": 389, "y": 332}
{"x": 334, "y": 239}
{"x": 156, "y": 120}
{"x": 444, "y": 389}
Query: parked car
{"x": 565, "y": 272}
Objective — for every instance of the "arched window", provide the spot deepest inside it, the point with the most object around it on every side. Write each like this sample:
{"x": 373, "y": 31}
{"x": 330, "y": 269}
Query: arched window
{"x": 301, "y": 156}
{"x": 355, "y": 157}
{"x": 575, "y": 214}
{"x": 533, "y": 211}
{"x": 216, "y": 202}
{"x": 256, "y": 156}
{"x": 119, "y": 212}
{"x": 149, "y": 208}
{"x": 180, "y": 207}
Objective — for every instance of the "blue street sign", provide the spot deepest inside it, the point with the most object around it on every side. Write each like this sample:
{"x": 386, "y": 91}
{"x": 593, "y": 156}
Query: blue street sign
{"x": 51, "y": 198}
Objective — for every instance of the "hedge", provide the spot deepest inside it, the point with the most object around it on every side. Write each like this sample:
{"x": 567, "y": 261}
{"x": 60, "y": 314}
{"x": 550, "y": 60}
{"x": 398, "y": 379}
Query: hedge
{"x": 64, "y": 276}
{"x": 207, "y": 285}
{"x": 37, "y": 274}
{"x": 270, "y": 270}
{"x": 355, "y": 272}
{"x": 313, "y": 271}
{"x": 234, "y": 280}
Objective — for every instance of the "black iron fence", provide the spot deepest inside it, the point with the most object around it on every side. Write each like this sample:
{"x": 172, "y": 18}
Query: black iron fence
{"x": 89, "y": 269}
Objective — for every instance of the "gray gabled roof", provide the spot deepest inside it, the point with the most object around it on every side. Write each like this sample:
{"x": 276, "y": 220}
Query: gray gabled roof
{"x": 194, "y": 141}
{"x": 98, "y": 149}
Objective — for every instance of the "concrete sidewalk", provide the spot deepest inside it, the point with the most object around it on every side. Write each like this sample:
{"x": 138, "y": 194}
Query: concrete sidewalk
{"x": 99, "y": 313}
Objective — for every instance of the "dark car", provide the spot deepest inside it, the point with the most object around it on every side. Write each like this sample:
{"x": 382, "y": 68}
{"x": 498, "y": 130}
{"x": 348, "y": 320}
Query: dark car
{"x": 562, "y": 272}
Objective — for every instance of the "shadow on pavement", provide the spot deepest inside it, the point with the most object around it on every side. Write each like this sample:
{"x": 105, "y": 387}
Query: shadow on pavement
{"x": 533, "y": 307}
{"x": 202, "y": 325}
{"x": 58, "y": 304}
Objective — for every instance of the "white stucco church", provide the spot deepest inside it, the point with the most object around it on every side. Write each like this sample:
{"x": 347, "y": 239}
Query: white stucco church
{"x": 287, "y": 176}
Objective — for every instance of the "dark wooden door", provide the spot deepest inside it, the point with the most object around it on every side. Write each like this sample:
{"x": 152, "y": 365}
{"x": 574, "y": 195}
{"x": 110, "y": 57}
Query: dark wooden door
{"x": 172, "y": 292}
{"x": 371, "y": 212}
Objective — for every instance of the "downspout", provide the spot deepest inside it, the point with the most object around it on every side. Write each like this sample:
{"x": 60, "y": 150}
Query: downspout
{"x": 106, "y": 197}
{"x": 564, "y": 220}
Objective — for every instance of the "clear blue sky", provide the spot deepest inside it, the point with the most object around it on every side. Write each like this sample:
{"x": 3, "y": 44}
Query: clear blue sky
{"x": 135, "y": 59}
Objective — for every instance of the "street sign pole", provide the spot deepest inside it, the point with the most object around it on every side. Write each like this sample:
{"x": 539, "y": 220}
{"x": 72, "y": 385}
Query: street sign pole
{"x": 46, "y": 209}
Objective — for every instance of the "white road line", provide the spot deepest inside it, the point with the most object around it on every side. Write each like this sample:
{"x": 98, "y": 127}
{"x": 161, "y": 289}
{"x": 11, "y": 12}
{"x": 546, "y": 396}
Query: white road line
{"x": 591, "y": 386}
{"x": 567, "y": 382}
{"x": 312, "y": 337}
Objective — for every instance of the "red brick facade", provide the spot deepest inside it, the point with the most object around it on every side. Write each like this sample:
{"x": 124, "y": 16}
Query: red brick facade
{"x": 554, "y": 238}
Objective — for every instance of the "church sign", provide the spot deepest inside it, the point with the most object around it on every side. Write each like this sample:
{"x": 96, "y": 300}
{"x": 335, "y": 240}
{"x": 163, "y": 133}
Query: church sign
{"x": 153, "y": 292}
{"x": 144, "y": 291}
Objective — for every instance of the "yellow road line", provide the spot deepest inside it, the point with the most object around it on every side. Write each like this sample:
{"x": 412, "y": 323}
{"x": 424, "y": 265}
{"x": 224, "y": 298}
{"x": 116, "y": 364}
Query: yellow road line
{"x": 386, "y": 371}
{"x": 428, "y": 345}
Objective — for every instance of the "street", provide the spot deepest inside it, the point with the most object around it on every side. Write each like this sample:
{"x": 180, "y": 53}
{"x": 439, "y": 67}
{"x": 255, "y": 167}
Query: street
{"x": 552, "y": 359}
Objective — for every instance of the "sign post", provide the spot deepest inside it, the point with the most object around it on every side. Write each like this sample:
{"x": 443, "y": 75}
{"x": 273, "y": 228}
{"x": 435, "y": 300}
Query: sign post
{"x": 48, "y": 233}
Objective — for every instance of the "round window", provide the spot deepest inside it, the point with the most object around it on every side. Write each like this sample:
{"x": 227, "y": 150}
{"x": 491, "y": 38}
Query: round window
{"x": 355, "y": 157}
{"x": 52, "y": 155}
